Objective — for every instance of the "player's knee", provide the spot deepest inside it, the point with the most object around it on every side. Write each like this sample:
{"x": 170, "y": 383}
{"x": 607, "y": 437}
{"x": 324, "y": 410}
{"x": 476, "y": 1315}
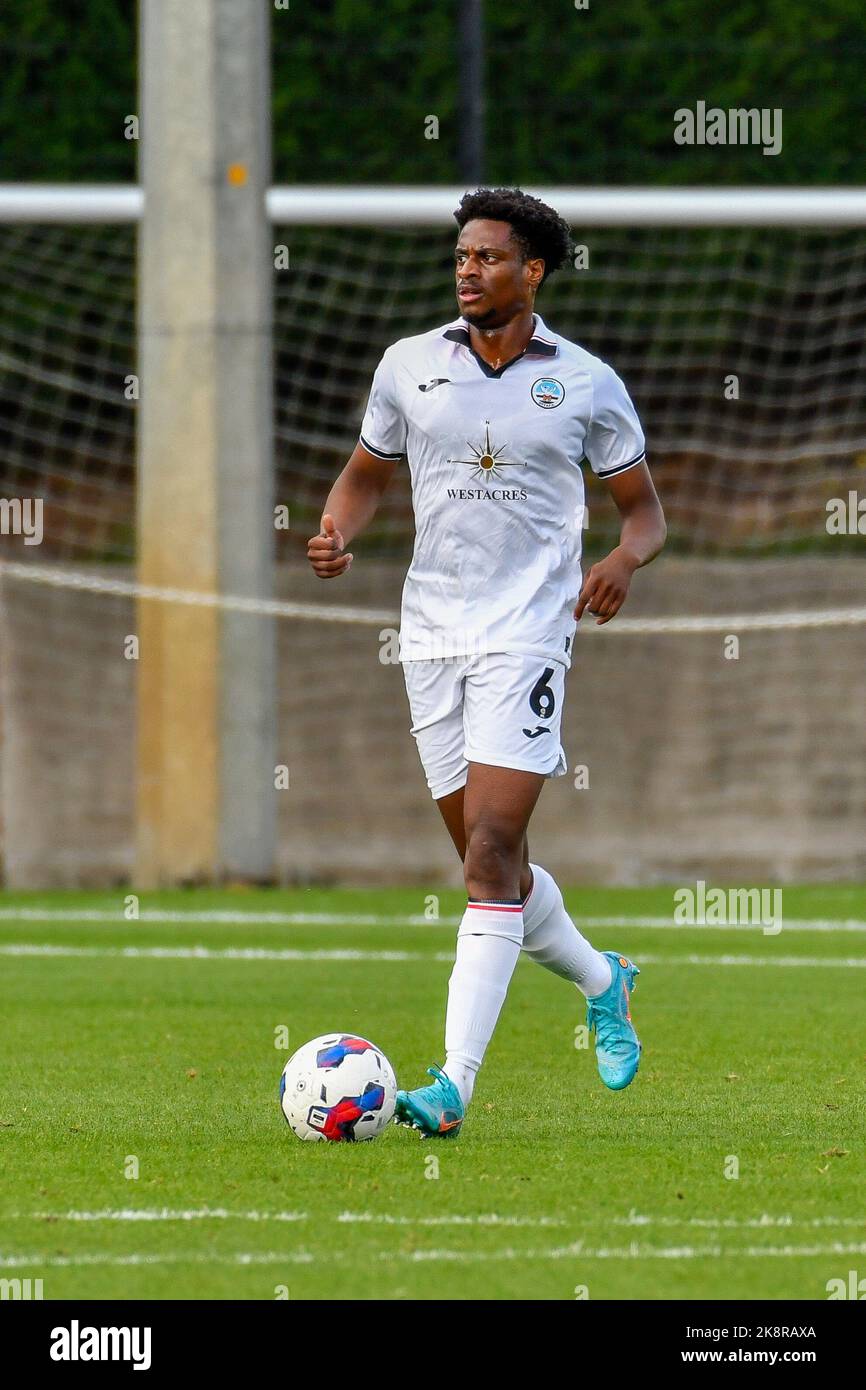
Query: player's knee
{"x": 493, "y": 860}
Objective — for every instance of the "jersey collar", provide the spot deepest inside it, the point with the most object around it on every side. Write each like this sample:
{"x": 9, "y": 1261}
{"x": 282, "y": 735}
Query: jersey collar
{"x": 541, "y": 344}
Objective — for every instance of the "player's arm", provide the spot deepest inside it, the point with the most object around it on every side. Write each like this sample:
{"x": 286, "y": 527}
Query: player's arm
{"x": 350, "y": 505}
{"x": 641, "y": 537}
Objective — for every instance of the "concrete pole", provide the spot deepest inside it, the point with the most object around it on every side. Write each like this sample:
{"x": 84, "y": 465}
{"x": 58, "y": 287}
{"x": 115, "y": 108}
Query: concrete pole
{"x": 206, "y": 678}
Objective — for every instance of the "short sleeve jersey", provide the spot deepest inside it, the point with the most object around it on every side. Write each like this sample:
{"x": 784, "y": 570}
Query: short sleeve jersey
{"x": 495, "y": 461}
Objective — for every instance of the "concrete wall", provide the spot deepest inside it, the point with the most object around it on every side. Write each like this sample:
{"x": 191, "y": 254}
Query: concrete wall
{"x": 743, "y": 770}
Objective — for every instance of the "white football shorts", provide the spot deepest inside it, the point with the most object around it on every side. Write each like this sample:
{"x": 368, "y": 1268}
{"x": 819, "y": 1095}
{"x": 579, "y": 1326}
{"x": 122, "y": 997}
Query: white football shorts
{"x": 501, "y": 708}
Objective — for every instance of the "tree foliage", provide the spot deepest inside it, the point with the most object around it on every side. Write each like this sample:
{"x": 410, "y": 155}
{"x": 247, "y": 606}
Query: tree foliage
{"x": 573, "y": 96}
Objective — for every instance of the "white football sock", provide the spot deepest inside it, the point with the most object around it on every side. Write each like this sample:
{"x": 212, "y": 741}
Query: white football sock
{"x": 551, "y": 938}
{"x": 488, "y": 948}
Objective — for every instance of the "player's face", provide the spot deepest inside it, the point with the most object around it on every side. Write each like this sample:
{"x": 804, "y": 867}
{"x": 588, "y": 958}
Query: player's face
{"x": 493, "y": 284}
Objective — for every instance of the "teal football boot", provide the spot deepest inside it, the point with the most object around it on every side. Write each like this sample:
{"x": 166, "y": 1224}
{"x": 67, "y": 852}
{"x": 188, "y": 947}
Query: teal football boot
{"x": 617, "y": 1046}
{"x": 436, "y": 1110}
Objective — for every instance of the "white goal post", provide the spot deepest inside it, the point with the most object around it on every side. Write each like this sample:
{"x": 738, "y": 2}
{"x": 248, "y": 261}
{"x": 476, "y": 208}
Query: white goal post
{"x": 762, "y": 755}
{"x": 409, "y": 206}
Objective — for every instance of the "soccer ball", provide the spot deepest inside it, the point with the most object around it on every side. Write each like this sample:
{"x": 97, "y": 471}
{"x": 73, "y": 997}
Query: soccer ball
{"x": 338, "y": 1087}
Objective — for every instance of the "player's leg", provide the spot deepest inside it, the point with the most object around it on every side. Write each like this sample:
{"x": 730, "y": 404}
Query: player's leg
{"x": 605, "y": 978}
{"x": 497, "y": 805}
{"x": 485, "y": 957}
{"x": 504, "y": 772}
{"x": 514, "y": 706}
{"x": 511, "y": 744}
{"x": 435, "y": 691}
{"x": 550, "y": 937}
{"x": 451, "y": 810}
{"x": 453, "y": 715}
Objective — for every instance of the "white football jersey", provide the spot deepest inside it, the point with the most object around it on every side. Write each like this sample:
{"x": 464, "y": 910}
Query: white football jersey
{"x": 495, "y": 462}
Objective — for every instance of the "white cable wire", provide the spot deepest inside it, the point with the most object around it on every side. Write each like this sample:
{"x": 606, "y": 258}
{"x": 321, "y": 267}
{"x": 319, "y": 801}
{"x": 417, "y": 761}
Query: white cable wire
{"x": 61, "y": 578}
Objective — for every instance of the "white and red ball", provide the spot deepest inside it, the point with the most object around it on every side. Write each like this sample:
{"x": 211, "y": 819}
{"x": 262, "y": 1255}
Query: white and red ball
{"x": 338, "y": 1087}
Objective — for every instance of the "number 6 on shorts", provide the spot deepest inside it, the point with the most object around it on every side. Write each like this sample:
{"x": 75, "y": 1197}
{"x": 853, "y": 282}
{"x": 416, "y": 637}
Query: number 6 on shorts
{"x": 542, "y": 700}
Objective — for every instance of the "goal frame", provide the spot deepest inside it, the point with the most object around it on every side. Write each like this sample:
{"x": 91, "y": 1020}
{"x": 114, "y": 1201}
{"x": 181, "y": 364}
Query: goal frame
{"x": 432, "y": 205}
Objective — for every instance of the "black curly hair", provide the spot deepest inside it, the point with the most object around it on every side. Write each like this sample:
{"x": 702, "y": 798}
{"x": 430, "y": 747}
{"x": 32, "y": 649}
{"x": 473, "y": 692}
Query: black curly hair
{"x": 537, "y": 229}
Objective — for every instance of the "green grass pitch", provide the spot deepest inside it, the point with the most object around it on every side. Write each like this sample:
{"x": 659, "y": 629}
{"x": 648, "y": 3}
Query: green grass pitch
{"x": 165, "y": 1065}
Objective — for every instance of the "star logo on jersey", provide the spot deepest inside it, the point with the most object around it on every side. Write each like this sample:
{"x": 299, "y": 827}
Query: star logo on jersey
{"x": 488, "y": 459}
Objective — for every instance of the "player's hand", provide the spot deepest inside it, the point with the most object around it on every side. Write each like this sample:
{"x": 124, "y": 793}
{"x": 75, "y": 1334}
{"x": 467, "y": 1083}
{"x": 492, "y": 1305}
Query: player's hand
{"x": 606, "y": 586}
{"x": 325, "y": 551}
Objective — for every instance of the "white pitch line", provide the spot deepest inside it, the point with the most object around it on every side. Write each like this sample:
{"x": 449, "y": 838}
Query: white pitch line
{"x": 488, "y": 1220}
{"x": 764, "y": 1222}
{"x": 220, "y": 917}
{"x": 810, "y": 962}
{"x": 635, "y": 1251}
{"x": 160, "y": 1214}
{"x": 798, "y": 924}
{"x": 217, "y": 917}
{"x": 235, "y": 953}
{"x": 198, "y": 1258}
{"x": 578, "y": 1250}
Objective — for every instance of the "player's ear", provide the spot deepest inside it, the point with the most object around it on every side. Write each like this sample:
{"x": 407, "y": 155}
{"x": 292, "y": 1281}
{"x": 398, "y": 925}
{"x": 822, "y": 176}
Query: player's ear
{"x": 536, "y": 273}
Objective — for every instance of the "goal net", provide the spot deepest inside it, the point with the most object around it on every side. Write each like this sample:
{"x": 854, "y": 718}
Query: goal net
{"x": 714, "y": 729}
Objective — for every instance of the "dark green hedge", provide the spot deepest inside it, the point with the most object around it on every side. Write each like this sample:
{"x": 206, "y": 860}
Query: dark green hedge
{"x": 573, "y": 96}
